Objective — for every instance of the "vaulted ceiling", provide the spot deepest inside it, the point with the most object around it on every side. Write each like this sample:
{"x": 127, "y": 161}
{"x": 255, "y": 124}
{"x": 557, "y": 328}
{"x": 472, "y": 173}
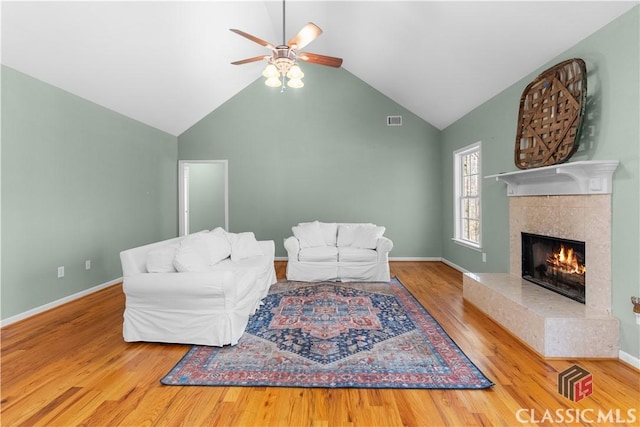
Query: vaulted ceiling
{"x": 167, "y": 64}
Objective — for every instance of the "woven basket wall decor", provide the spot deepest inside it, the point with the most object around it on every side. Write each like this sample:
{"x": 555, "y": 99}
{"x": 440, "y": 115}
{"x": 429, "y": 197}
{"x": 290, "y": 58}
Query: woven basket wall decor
{"x": 551, "y": 112}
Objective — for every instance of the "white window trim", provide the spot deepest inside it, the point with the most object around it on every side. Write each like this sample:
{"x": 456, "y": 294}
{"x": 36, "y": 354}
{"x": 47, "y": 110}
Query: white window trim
{"x": 457, "y": 154}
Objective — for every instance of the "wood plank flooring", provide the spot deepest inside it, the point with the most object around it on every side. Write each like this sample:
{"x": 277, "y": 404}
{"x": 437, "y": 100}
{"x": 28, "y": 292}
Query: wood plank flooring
{"x": 69, "y": 366}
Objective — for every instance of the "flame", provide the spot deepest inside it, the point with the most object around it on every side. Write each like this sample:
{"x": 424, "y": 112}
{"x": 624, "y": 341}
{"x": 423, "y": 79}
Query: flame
{"x": 567, "y": 261}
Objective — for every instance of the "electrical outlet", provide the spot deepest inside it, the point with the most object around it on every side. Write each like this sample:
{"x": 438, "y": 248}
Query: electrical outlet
{"x": 484, "y": 257}
{"x": 60, "y": 272}
{"x": 87, "y": 264}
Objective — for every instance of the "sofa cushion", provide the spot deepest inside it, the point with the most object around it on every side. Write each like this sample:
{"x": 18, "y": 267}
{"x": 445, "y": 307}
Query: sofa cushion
{"x": 366, "y": 236}
{"x": 243, "y": 245}
{"x": 160, "y": 260}
{"x": 359, "y": 235}
{"x": 309, "y": 234}
{"x": 218, "y": 245}
{"x": 319, "y": 254}
{"x": 192, "y": 254}
{"x": 346, "y": 234}
{"x": 351, "y": 254}
{"x": 329, "y": 232}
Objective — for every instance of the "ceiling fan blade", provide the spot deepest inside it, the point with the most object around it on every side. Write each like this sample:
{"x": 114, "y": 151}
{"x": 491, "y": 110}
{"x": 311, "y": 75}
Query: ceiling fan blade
{"x": 307, "y": 34}
{"x": 248, "y": 60}
{"x": 314, "y": 58}
{"x": 253, "y": 38}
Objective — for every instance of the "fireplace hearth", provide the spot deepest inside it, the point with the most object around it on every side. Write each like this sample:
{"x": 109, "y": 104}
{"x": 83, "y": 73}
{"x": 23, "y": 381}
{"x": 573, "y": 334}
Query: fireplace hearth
{"x": 553, "y": 324}
{"x": 555, "y": 264}
{"x": 541, "y": 203}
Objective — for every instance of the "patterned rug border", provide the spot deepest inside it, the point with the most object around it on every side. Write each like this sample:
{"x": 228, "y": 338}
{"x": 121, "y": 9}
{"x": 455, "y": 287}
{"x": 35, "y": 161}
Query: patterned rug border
{"x": 375, "y": 381}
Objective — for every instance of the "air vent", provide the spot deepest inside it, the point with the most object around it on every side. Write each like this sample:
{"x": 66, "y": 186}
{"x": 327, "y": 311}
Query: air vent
{"x": 394, "y": 120}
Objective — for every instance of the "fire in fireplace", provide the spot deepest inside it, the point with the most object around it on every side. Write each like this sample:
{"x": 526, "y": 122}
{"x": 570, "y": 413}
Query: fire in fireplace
{"x": 556, "y": 264}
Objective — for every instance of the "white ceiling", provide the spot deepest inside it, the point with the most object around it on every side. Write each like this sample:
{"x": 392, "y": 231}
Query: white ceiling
{"x": 167, "y": 64}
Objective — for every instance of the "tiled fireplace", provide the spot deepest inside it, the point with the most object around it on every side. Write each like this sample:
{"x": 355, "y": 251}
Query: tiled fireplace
{"x": 555, "y": 325}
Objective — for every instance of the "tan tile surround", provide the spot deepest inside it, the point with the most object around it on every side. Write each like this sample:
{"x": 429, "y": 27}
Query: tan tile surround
{"x": 554, "y": 325}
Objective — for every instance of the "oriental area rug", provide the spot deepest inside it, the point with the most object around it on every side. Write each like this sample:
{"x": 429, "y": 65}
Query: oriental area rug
{"x": 335, "y": 335}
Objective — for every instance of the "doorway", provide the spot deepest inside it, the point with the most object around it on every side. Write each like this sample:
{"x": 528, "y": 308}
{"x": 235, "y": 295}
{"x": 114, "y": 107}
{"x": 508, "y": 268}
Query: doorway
{"x": 203, "y": 193}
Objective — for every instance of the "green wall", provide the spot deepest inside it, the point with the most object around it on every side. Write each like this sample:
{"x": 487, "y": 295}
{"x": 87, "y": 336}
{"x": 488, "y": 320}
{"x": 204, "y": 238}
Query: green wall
{"x": 324, "y": 152}
{"x": 611, "y": 132}
{"x": 78, "y": 182}
{"x": 206, "y": 196}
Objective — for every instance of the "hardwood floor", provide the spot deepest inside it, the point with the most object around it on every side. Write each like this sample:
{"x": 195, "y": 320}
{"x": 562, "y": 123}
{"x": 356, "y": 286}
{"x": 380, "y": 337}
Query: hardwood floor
{"x": 70, "y": 366}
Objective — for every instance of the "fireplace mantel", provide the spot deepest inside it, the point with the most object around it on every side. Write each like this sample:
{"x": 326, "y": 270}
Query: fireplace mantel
{"x": 583, "y": 177}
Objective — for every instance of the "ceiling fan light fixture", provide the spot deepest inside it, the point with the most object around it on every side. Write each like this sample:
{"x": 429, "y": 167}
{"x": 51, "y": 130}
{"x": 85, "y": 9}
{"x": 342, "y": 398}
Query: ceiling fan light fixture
{"x": 295, "y": 83}
{"x": 295, "y": 73}
{"x": 270, "y": 71}
{"x": 273, "y": 81}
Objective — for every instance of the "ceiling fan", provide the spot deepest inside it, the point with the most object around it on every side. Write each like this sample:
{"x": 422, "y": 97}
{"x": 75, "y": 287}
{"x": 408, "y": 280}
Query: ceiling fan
{"x": 283, "y": 58}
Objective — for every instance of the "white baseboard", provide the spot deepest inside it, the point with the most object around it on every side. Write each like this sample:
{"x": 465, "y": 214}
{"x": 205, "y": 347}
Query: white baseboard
{"x": 452, "y": 265}
{"x": 414, "y": 258}
{"x": 56, "y": 303}
{"x": 629, "y": 359}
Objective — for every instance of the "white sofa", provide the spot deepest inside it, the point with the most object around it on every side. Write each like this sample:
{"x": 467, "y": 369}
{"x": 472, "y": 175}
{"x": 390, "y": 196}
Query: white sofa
{"x": 320, "y": 251}
{"x": 198, "y": 289}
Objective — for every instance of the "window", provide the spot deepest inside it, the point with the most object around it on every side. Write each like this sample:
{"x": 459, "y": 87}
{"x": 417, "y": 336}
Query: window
{"x": 466, "y": 169}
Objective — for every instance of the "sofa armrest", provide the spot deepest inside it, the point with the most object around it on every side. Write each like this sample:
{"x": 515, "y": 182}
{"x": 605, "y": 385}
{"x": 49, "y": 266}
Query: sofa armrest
{"x": 292, "y": 245}
{"x": 134, "y": 261}
{"x": 131, "y": 264}
{"x": 383, "y": 247}
{"x": 268, "y": 248}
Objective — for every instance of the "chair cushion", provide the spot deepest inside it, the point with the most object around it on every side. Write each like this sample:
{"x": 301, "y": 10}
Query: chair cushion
{"x": 366, "y": 236}
{"x": 329, "y": 233}
{"x": 346, "y": 234}
{"x": 359, "y": 235}
{"x": 309, "y": 234}
{"x": 319, "y": 254}
{"x": 351, "y": 254}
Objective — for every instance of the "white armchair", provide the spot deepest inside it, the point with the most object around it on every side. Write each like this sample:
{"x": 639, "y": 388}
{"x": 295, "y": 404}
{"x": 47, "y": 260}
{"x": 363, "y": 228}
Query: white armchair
{"x": 346, "y": 252}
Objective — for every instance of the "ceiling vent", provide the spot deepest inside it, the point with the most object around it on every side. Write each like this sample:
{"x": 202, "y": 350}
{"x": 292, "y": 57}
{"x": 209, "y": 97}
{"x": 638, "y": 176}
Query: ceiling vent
{"x": 394, "y": 120}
